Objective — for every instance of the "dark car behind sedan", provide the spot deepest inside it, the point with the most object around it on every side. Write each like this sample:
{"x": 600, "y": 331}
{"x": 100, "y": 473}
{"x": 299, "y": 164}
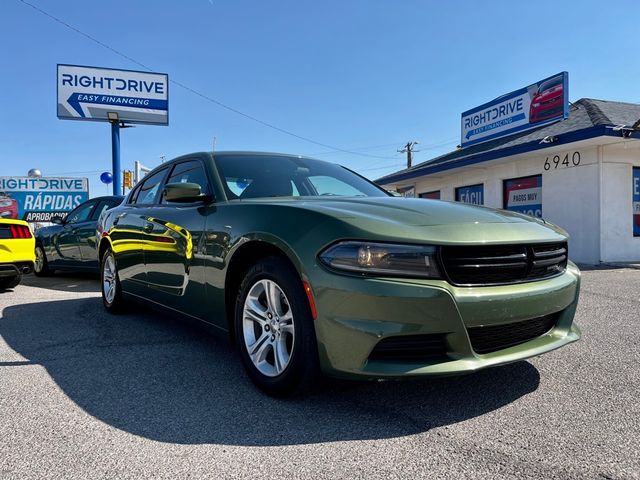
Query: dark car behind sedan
{"x": 70, "y": 243}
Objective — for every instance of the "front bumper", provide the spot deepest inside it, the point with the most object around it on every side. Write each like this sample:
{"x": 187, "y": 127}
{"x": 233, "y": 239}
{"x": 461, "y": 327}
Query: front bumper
{"x": 355, "y": 313}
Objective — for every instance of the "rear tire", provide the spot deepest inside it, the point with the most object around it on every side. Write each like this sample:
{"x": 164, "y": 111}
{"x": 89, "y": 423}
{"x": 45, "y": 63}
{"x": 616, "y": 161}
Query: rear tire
{"x": 41, "y": 265}
{"x": 274, "y": 329}
{"x": 10, "y": 282}
{"x": 110, "y": 282}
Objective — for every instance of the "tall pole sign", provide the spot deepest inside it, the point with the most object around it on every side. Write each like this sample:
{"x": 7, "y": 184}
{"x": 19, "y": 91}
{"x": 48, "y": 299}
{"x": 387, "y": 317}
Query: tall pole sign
{"x": 119, "y": 97}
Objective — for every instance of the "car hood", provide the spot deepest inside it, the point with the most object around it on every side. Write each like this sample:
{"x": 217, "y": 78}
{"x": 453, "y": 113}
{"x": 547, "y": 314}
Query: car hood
{"x": 407, "y": 219}
{"x": 547, "y": 94}
{"x": 408, "y": 211}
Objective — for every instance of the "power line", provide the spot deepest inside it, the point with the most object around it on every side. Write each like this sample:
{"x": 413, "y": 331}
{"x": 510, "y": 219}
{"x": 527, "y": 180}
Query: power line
{"x": 76, "y": 173}
{"x": 195, "y": 92}
{"x": 395, "y": 165}
{"x": 372, "y": 147}
{"x": 431, "y": 146}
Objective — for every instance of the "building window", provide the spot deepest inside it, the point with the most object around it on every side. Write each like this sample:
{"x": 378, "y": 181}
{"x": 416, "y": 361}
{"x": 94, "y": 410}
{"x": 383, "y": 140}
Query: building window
{"x": 435, "y": 195}
{"x": 473, "y": 194}
{"x": 636, "y": 201}
{"x": 408, "y": 192}
{"x": 523, "y": 195}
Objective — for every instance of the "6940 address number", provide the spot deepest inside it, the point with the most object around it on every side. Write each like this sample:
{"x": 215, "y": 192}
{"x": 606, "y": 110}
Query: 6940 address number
{"x": 558, "y": 161}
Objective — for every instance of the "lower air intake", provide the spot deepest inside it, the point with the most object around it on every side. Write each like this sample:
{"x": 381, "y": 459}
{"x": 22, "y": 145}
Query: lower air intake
{"x": 497, "y": 337}
{"x": 410, "y": 348}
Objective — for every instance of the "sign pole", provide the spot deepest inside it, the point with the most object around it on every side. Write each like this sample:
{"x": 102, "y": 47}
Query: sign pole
{"x": 115, "y": 156}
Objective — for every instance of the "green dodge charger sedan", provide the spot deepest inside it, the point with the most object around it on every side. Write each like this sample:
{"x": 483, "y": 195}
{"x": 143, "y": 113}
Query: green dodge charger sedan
{"x": 311, "y": 269}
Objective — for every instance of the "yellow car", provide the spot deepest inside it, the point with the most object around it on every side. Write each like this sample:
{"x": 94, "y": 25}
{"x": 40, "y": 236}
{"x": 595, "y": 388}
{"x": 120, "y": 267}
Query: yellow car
{"x": 17, "y": 251}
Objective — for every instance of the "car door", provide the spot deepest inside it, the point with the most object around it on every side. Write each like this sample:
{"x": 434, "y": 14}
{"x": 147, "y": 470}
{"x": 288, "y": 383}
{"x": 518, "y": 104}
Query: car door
{"x": 66, "y": 241}
{"x": 129, "y": 233}
{"x": 174, "y": 268}
{"x": 86, "y": 232}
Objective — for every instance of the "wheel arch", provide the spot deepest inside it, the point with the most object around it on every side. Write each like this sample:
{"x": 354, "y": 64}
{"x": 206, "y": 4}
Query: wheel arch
{"x": 103, "y": 246}
{"x": 243, "y": 257}
{"x": 42, "y": 240}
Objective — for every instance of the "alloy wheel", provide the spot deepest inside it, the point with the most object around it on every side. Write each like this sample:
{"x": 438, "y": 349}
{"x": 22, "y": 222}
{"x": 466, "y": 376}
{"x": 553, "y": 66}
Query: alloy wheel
{"x": 39, "y": 263}
{"x": 109, "y": 280}
{"x": 268, "y": 328}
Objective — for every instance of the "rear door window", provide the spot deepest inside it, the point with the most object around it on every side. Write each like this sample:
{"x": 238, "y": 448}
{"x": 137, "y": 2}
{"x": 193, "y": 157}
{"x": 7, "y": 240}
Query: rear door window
{"x": 102, "y": 206}
{"x": 81, "y": 213}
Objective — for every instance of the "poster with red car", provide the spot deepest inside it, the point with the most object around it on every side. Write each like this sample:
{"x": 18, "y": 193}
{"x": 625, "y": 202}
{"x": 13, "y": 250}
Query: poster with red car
{"x": 8, "y": 205}
{"x": 529, "y": 107}
{"x": 524, "y": 195}
{"x": 547, "y": 101}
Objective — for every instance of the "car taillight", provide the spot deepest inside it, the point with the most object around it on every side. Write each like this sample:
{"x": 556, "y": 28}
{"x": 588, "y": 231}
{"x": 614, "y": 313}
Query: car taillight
{"x": 20, "y": 231}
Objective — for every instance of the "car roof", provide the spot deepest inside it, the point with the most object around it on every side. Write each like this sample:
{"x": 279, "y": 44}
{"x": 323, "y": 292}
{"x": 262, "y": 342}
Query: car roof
{"x": 241, "y": 153}
{"x": 106, "y": 197}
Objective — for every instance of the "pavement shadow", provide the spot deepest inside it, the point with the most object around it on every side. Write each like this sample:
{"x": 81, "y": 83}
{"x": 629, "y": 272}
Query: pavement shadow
{"x": 155, "y": 376}
{"x": 65, "y": 282}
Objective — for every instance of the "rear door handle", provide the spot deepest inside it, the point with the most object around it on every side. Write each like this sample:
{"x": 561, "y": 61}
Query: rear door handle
{"x": 148, "y": 228}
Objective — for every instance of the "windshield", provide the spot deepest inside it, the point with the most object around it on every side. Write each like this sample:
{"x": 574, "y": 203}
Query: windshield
{"x": 554, "y": 82}
{"x": 257, "y": 176}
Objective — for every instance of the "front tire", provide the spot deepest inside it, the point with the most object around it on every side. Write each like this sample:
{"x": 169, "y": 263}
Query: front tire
{"x": 41, "y": 265}
{"x": 110, "y": 281}
{"x": 274, "y": 329}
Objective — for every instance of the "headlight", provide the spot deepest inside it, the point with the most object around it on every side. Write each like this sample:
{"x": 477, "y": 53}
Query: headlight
{"x": 536, "y": 105}
{"x": 5, "y": 203}
{"x": 385, "y": 259}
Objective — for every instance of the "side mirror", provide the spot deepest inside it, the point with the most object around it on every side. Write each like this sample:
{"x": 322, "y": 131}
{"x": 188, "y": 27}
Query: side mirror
{"x": 57, "y": 219}
{"x": 183, "y": 192}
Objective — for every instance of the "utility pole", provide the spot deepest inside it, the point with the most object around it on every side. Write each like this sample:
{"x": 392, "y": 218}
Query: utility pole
{"x": 408, "y": 149}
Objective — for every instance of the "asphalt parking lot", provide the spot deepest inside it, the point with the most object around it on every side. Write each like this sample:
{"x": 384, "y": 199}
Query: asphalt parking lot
{"x": 84, "y": 394}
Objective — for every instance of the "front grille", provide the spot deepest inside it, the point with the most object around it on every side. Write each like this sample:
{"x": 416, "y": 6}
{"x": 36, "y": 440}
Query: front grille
{"x": 552, "y": 100}
{"x": 502, "y": 264}
{"x": 497, "y": 337}
{"x": 411, "y": 348}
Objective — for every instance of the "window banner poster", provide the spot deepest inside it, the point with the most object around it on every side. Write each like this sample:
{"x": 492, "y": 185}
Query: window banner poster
{"x": 524, "y": 195}
{"x": 636, "y": 201}
{"x": 472, "y": 194}
{"x": 435, "y": 195}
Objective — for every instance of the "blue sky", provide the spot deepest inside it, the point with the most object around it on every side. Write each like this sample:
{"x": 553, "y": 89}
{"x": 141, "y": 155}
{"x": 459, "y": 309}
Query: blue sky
{"x": 365, "y": 76}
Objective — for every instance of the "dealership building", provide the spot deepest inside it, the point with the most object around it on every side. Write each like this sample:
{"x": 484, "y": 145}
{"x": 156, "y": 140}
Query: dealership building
{"x": 580, "y": 170}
